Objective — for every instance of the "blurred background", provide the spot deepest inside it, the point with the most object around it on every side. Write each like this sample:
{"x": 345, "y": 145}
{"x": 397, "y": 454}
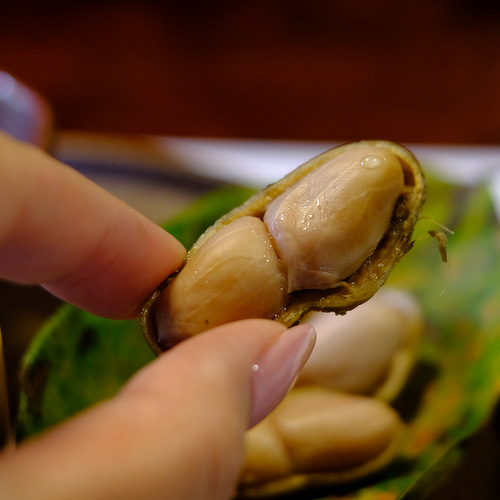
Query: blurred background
{"x": 425, "y": 71}
{"x": 339, "y": 70}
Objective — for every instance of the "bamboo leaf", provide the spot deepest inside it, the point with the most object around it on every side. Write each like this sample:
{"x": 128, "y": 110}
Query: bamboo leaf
{"x": 78, "y": 359}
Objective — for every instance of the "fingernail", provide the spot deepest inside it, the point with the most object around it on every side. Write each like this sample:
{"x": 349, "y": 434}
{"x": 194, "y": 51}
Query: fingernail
{"x": 277, "y": 368}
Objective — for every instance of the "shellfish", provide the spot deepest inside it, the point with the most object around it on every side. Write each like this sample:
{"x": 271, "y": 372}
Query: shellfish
{"x": 325, "y": 237}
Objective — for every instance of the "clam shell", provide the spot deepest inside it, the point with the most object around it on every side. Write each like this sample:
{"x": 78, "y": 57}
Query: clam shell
{"x": 357, "y": 288}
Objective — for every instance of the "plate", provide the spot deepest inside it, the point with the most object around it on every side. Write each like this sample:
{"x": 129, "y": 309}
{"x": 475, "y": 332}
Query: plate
{"x": 197, "y": 165}
{"x": 454, "y": 390}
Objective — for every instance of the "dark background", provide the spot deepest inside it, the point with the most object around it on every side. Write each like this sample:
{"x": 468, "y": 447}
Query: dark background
{"x": 426, "y": 71}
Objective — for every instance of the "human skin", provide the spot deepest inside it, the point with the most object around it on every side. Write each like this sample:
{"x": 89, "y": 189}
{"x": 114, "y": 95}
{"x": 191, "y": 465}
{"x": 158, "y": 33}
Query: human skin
{"x": 176, "y": 428}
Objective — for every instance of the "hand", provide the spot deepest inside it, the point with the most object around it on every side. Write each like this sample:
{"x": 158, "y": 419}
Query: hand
{"x": 176, "y": 429}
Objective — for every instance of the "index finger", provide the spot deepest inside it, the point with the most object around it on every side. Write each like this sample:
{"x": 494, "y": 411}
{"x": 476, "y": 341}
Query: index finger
{"x": 86, "y": 246}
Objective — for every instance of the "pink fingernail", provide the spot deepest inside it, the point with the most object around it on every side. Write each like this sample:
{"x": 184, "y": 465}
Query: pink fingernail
{"x": 277, "y": 368}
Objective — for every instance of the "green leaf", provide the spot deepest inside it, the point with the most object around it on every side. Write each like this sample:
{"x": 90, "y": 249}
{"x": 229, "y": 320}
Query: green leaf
{"x": 192, "y": 222}
{"x": 78, "y": 359}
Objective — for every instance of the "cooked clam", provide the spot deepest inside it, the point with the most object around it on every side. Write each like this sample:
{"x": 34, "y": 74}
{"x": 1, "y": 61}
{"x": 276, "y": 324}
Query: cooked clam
{"x": 318, "y": 436}
{"x": 337, "y": 425}
{"x": 369, "y": 351}
{"x": 325, "y": 237}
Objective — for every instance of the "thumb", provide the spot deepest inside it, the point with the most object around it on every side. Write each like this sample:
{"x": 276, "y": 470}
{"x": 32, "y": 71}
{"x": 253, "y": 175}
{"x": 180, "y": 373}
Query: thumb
{"x": 176, "y": 429}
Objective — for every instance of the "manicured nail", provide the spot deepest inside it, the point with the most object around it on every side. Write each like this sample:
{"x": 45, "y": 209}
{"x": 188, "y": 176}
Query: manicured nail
{"x": 277, "y": 367}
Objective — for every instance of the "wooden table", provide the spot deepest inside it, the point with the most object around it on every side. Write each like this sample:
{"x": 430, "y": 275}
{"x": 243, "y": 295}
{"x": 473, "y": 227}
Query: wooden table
{"x": 422, "y": 72}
